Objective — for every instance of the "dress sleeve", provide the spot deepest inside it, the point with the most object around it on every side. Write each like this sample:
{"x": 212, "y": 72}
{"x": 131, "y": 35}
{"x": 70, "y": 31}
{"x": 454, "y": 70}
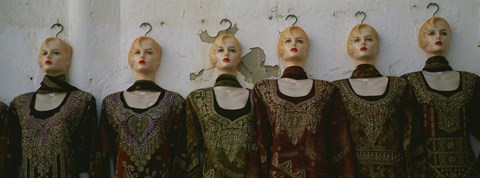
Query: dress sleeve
{"x": 82, "y": 140}
{"x": 176, "y": 140}
{"x": 253, "y": 169}
{"x": 338, "y": 139}
{"x": 194, "y": 140}
{"x": 413, "y": 136}
{"x": 264, "y": 132}
{"x": 104, "y": 147}
{"x": 474, "y": 119}
{"x": 14, "y": 147}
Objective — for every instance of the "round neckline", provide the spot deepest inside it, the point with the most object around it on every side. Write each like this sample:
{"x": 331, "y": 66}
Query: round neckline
{"x": 371, "y": 97}
{"x": 47, "y": 113}
{"x": 141, "y": 110}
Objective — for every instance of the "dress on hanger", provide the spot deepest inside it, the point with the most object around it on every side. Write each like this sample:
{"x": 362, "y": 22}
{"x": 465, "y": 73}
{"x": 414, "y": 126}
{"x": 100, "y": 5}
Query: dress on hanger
{"x": 220, "y": 141}
{"x": 449, "y": 118}
{"x": 142, "y": 142}
{"x": 53, "y": 143}
{"x": 301, "y": 136}
{"x": 380, "y": 126}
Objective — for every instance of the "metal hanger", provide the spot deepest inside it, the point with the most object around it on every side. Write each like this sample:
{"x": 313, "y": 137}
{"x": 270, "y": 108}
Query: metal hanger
{"x": 293, "y": 16}
{"x": 146, "y": 24}
{"x": 226, "y": 20}
{"x": 361, "y": 13}
{"x": 434, "y": 4}
{"x": 59, "y": 25}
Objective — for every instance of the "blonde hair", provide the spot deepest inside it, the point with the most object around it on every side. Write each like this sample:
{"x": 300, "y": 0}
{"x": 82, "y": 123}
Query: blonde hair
{"x": 219, "y": 40}
{"x": 136, "y": 43}
{"x": 67, "y": 48}
{"x": 283, "y": 35}
{"x": 422, "y": 37}
{"x": 355, "y": 31}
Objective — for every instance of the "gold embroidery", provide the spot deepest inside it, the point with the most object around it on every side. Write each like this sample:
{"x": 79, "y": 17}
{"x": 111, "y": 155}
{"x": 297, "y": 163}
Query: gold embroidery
{"x": 221, "y": 133}
{"x": 448, "y": 108}
{"x": 451, "y": 156}
{"x": 45, "y": 142}
{"x": 372, "y": 114}
{"x": 130, "y": 172}
{"x": 295, "y": 119}
{"x": 376, "y": 156}
{"x": 286, "y": 167}
{"x": 140, "y": 135}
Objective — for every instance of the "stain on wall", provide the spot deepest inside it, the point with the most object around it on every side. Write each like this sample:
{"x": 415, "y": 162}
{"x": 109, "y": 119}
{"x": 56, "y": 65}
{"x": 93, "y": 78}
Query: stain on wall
{"x": 252, "y": 67}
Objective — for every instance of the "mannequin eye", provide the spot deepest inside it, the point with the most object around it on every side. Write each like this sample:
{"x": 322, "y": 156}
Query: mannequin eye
{"x": 149, "y": 53}
{"x": 220, "y": 50}
{"x": 56, "y": 53}
{"x": 300, "y": 41}
{"x": 137, "y": 53}
{"x": 288, "y": 41}
{"x": 431, "y": 33}
{"x": 232, "y": 50}
{"x": 443, "y": 33}
{"x": 44, "y": 53}
{"x": 369, "y": 39}
{"x": 356, "y": 40}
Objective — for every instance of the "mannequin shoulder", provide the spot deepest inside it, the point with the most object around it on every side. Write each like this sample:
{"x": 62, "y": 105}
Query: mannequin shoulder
{"x": 83, "y": 95}
{"x": 264, "y": 83}
{"x": 23, "y": 98}
{"x": 174, "y": 95}
{"x": 199, "y": 93}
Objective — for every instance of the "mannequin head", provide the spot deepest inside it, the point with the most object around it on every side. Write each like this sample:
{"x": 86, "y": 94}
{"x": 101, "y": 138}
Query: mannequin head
{"x": 434, "y": 36}
{"x": 144, "y": 56}
{"x": 363, "y": 43}
{"x": 225, "y": 54}
{"x": 55, "y": 56}
{"x": 293, "y": 46}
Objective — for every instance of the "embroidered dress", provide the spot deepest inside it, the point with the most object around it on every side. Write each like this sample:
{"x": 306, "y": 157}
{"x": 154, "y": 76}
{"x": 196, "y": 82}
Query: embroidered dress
{"x": 220, "y": 141}
{"x": 143, "y": 142}
{"x": 54, "y": 143}
{"x": 298, "y": 136}
{"x": 449, "y": 118}
{"x": 380, "y": 125}
{"x": 3, "y": 139}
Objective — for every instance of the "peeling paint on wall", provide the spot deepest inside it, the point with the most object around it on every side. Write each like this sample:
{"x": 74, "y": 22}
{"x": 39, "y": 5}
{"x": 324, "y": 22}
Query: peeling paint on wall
{"x": 253, "y": 66}
{"x": 204, "y": 37}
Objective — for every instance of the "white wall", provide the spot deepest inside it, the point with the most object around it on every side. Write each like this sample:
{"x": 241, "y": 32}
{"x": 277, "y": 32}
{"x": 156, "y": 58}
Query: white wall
{"x": 101, "y": 33}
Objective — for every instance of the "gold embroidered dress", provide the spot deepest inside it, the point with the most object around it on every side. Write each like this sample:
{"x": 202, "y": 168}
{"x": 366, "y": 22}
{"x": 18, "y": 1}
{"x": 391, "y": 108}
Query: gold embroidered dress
{"x": 219, "y": 145}
{"x": 143, "y": 142}
{"x": 301, "y": 136}
{"x": 379, "y": 125}
{"x": 54, "y": 143}
{"x": 449, "y": 119}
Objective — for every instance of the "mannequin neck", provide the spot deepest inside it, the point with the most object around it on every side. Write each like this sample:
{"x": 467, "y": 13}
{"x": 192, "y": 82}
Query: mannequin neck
{"x": 230, "y": 72}
{"x": 429, "y": 55}
{"x": 145, "y": 76}
{"x": 365, "y": 61}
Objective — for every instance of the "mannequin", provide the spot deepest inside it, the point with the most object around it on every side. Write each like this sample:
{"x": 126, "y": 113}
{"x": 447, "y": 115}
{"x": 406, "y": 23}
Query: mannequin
{"x": 220, "y": 122}
{"x": 139, "y": 127}
{"x": 379, "y": 111}
{"x": 3, "y": 139}
{"x": 450, "y": 104}
{"x": 52, "y": 128}
{"x": 295, "y": 116}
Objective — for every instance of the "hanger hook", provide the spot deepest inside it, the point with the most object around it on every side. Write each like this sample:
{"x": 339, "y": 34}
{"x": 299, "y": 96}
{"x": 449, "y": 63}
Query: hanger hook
{"x": 229, "y": 22}
{"x": 146, "y": 24}
{"x": 360, "y": 13}
{"x": 61, "y": 28}
{"x": 294, "y": 16}
{"x": 434, "y": 4}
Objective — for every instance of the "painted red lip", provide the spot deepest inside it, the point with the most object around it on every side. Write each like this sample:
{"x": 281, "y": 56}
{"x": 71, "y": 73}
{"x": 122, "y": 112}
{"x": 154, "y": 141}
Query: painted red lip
{"x": 294, "y": 50}
{"x": 439, "y": 43}
{"x": 226, "y": 60}
{"x": 48, "y": 62}
{"x": 363, "y": 49}
{"x": 141, "y": 62}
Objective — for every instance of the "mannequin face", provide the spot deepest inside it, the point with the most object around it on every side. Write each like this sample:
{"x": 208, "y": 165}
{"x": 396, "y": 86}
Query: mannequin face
{"x": 437, "y": 38}
{"x": 293, "y": 47}
{"x": 145, "y": 57}
{"x": 227, "y": 55}
{"x": 364, "y": 45}
{"x": 55, "y": 57}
